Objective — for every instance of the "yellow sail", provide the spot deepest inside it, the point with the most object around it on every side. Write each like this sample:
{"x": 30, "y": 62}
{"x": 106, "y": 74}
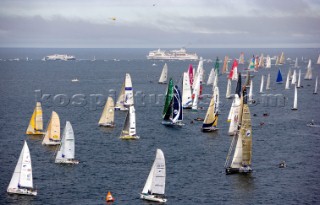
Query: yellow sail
{"x": 211, "y": 120}
{"x": 36, "y": 122}
{"x": 107, "y": 116}
{"x": 52, "y": 136}
{"x": 246, "y": 135}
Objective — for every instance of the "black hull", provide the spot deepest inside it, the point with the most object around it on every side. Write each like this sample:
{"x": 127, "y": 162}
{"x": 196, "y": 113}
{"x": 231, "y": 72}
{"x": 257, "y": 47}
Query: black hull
{"x": 230, "y": 170}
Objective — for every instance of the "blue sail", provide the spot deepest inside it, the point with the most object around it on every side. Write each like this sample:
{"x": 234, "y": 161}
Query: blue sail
{"x": 177, "y": 113}
{"x": 279, "y": 77}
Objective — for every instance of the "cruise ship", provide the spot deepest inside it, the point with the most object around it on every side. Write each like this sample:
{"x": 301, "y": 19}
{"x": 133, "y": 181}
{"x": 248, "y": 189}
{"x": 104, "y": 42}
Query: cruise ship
{"x": 62, "y": 57}
{"x": 180, "y": 54}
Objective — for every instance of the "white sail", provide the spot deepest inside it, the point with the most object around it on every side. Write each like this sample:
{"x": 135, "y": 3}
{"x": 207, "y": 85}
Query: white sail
{"x": 261, "y": 61}
{"x": 318, "y": 62}
{"x": 164, "y": 74}
{"x": 287, "y": 82}
{"x": 107, "y": 116}
{"x": 22, "y": 180}
{"x": 316, "y": 86}
{"x": 228, "y": 93}
{"x": 294, "y": 78}
{"x": 299, "y": 79}
{"x": 186, "y": 91}
{"x": 66, "y": 150}
{"x": 295, "y": 99}
{"x": 128, "y": 91}
{"x": 129, "y": 128}
{"x": 156, "y": 180}
{"x": 268, "y": 62}
{"x": 268, "y": 82}
{"x": 215, "y": 82}
{"x": 120, "y": 100}
{"x": 296, "y": 63}
{"x": 250, "y": 91}
{"x": 235, "y": 115}
{"x": 262, "y": 83}
{"x": 211, "y": 77}
{"x": 308, "y": 75}
{"x": 195, "y": 94}
{"x": 235, "y": 74}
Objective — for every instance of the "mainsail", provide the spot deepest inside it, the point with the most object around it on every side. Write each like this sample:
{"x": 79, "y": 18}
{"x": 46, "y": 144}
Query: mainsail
{"x": 66, "y": 150}
{"x": 36, "y": 122}
{"x": 22, "y": 180}
{"x": 120, "y": 100}
{"x": 279, "y": 77}
{"x": 128, "y": 99}
{"x": 107, "y": 116}
{"x": 129, "y": 128}
{"x": 308, "y": 75}
{"x": 52, "y": 136}
{"x": 164, "y": 74}
{"x": 211, "y": 120}
{"x": 186, "y": 92}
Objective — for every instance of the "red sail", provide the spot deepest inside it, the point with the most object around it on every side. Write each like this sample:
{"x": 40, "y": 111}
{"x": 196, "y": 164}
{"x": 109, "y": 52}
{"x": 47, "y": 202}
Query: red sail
{"x": 190, "y": 71}
{"x": 235, "y": 64}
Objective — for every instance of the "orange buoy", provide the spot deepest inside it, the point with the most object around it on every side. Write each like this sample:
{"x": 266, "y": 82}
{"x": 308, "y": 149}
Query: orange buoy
{"x": 109, "y": 197}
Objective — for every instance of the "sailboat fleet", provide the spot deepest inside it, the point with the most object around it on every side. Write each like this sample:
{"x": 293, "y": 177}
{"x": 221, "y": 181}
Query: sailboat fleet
{"x": 239, "y": 158}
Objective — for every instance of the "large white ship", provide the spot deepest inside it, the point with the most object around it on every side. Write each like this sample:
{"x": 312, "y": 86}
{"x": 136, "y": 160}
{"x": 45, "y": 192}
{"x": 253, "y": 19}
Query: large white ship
{"x": 59, "y": 57}
{"x": 180, "y": 54}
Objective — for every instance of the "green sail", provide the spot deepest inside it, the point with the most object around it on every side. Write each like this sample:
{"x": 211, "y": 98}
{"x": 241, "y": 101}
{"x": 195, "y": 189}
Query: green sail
{"x": 169, "y": 96}
{"x": 216, "y": 66}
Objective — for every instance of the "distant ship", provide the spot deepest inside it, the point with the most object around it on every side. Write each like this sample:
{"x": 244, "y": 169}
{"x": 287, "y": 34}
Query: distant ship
{"x": 180, "y": 54}
{"x": 59, "y": 57}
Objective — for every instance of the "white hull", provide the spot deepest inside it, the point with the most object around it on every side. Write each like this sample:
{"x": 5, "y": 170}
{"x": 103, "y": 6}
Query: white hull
{"x": 67, "y": 161}
{"x": 51, "y": 143}
{"x": 172, "y": 55}
{"x": 106, "y": 124}
{"x": 22, "y": 191}
{"x": 168, "y": 123}
{"x": 153, "y": 198}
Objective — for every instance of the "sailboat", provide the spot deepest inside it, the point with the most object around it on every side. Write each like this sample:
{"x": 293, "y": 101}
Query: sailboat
{"x": 279, "y": 77}
{"x": 261, "y": 61}
{"x": 251, "y": 92}
{"x": 216, "y": 66}
{"x": 287, "y": 81}
{"x": 228, "y": 92}
{"x": 211, "y": 77}
{"x": 225, "y": 64}
{"x": 36, "y": 124}
{"x": 316, "y": 86}
{"x": 154, "y": 187}
{"x": 251, "y": 66}
{"x": 196, "y": 93}
{"x": 211, "y": 120}
{"x": 164, "y": 74}
{"x": 65, "y": 154}
{"x": 294, "y": 78}
{"x": 241, "y": 145}
{"x": 172, "y": 113}
{"x": 268, "y": 62}
{"x": 233, "y": 75}
{"x": 296, "y": 63}
{"x": 22, "y": 180}
{"x": 308, "y": 75}
{"x": 318, "y": 61}
{"x": 282, "y": 59}
{"x": 52, "y": 136}
{"x": 129, "y": 128}
{"x": 234, "y": 115}
{"x": 125, "y": 98}
{"x": 241, "y": 58}
{"x": 190, "y": 72}
{"x": 107, "y": 116}
{"x": 262, "y": 83}
{"x": 299, "y": 79}
{"x": 295, "y": 99}
{"x": 186, "y": 92}
{"x": 268, "y": 82}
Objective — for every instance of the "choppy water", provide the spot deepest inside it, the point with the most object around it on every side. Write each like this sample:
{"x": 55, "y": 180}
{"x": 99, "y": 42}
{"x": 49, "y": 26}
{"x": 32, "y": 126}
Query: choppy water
{"x": 195, "y": 160}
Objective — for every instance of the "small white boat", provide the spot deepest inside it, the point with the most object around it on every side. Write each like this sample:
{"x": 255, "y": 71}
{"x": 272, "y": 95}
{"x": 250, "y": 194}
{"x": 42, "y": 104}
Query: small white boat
{"x": 22, "y": 180}
{"x": 75, "y": 80}
{"x": 154, "y": 188}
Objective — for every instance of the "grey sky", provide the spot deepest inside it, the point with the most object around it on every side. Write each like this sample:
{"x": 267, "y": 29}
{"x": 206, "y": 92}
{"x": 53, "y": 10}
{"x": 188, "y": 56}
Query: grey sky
{"x": 160, "y": 23}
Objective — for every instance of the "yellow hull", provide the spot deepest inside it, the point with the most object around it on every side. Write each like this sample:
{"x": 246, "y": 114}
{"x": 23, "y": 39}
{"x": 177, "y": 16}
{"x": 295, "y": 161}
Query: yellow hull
{"x": 129, "y": 137}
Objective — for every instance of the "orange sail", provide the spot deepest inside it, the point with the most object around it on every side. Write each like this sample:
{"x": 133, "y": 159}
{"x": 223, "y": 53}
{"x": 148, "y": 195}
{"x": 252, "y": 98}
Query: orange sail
{"x": 109, "y": 197}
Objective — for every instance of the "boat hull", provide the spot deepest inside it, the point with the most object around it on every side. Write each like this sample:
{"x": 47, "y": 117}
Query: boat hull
{"x": 67, "y": 161}
{"x": 22, "y": 191}
{"x": 106, "y": 125}
{"x": 51, "y": 143}
{"x": 35, "y": 133}
{"x": 209, "y": 129}
{"x": 129, "y": 137}
{"x": 241, "y": 170}
{"x": 153, "y": 198}
{"x": 172, "y": 124}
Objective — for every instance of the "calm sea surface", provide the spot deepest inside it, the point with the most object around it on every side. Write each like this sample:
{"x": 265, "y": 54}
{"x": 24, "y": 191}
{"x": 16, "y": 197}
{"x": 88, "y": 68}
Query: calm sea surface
{"x": 194, "y": 160}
